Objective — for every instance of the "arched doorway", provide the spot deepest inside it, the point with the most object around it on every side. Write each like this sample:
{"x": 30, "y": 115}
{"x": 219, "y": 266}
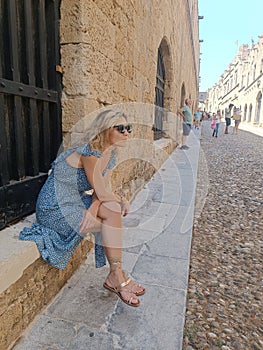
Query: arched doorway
{"x": 162, "y": 87}
{"x": 258, "y": 108}
{"x": 159, "y": 97}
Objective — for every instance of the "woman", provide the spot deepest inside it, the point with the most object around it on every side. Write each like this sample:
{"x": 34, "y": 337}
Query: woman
{"x": 65, "y": 212}
{"x": 216, "y": 119}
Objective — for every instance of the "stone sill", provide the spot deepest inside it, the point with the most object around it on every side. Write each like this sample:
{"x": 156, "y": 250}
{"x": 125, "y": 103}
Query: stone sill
{"x": 15, "y": 255}
{"x": 163, "y": 143}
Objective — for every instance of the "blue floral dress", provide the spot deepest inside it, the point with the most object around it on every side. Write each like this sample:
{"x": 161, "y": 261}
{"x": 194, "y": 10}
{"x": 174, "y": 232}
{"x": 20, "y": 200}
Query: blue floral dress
{"x": 59, "y": 211}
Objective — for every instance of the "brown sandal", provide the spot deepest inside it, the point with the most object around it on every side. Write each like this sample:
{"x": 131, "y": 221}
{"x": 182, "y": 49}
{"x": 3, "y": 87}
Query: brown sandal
{"x": 117, "y": 290}
{"x": 139, "y": 285}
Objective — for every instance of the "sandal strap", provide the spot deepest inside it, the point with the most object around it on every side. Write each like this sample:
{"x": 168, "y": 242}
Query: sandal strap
{"x": 124, "y": 284}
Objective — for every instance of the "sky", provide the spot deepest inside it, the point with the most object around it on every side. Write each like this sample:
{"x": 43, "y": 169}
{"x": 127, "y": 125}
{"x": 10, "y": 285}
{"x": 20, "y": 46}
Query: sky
{"x": 227, "y": 24}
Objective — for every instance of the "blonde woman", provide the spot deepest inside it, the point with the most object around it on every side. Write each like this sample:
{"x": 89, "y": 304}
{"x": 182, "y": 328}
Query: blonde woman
{"x": 65, "y": 212}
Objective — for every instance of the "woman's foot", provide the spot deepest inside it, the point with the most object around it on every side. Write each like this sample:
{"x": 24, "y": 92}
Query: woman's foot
{"x": 117, "y": 283}
{"x": 135, "y": 287}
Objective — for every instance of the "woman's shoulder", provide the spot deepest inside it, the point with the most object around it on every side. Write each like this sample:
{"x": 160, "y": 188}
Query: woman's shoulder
{"x": 86, "y": 150}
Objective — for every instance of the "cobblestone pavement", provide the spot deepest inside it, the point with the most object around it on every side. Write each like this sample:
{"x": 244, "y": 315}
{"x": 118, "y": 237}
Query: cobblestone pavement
{"x": 224, "y": 306}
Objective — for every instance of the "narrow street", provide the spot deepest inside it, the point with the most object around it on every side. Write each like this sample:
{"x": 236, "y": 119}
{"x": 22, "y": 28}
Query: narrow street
{"x": 224, "y": 306}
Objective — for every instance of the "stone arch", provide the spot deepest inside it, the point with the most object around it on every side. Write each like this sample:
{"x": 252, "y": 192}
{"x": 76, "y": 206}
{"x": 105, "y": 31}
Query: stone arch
{"x": 165, "y": 50}
{"x": 258, "y": 107}
{"x": 183, "y": 95}
{"x": 163, "y": 94}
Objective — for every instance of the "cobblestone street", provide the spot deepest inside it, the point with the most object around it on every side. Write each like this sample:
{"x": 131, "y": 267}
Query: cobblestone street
{"x": 224, "y": 306}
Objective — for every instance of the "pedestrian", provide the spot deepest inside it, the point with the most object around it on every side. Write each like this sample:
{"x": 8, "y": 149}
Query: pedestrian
{"x": 237, "y": 119}
{"x": 216, "y": 119}
{"x": 187, "y": 116}
{"x": 228, "y": 117}
{"x": 65, "y": 212}
{"x": 197, "y": 118}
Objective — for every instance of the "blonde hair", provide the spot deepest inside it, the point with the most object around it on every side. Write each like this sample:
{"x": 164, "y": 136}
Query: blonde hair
{"x": 98, "y": 132}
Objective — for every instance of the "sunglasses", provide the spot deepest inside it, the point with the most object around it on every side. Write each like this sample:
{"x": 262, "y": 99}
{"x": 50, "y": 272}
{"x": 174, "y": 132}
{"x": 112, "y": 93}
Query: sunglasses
{"x": 121, "y": 128}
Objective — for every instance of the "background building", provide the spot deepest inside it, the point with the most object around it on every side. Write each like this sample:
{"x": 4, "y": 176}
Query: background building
{"x": 241, "y": 84}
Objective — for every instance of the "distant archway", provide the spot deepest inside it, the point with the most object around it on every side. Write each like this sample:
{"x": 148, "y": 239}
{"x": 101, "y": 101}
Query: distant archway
{"x": 258, "y": 108}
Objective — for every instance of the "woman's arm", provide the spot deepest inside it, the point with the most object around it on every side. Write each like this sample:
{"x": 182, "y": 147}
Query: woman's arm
{"x": 94, "y": 167}
{"x": 90, "y": 216}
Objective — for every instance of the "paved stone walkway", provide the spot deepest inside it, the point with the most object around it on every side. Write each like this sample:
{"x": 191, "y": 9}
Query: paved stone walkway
{"x": 225, "y": 304}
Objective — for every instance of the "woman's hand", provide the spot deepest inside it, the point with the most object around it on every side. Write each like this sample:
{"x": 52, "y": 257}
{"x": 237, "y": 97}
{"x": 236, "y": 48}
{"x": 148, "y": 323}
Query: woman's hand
{"x": 90, "y": 220}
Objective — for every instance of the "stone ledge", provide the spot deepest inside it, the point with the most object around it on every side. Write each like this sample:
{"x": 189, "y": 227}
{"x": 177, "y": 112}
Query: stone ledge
{"x": 15, "y": 255}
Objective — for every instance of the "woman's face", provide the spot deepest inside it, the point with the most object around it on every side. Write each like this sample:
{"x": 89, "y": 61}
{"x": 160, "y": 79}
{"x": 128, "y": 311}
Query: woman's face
{"x": 119, "y": 132}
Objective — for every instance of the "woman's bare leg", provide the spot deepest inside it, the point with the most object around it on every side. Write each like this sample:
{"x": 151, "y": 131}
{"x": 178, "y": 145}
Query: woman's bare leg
{"x": 110, "y": 213}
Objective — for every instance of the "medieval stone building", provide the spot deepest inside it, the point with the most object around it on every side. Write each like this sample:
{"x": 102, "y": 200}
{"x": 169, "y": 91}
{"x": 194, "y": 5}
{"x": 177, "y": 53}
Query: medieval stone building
{"x": 241, "y": 84}
{"x": 60, "y": 62}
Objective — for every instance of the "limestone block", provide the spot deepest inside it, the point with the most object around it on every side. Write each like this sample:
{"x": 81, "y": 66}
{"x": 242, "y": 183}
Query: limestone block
{"x": 121, "y": 21}
{"x": 106, "y": 6}
{"x": 101, "y": 84}
{"x": 76, "y": 62}
{"x": 10, "y": 324}
{"x": 99, "y": 33}
{"x": 70, "y": 28}
{"x": 77, "y": 113}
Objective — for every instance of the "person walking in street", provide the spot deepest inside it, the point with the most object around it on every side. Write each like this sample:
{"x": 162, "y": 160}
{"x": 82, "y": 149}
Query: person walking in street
{"x": 197, "y": 118}
{"x": 228, "y": 117}
{"x": 65, "y": 212}
{"x": 217, "y": 120}
{"x": 187, "y": 116}
{"x": 237, "y": 119}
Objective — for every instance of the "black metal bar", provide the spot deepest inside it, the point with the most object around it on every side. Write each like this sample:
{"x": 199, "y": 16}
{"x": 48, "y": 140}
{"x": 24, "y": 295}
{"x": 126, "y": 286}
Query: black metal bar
{"x": 4, "y": 173}
{"x": 18, "y": 199}
{"x": 14, "y": 61}
{"x": 30, "y": 60}
{"x": 43, "y": 71}
{"x": 19, "y": 89}
{"x": 55, "y": 78}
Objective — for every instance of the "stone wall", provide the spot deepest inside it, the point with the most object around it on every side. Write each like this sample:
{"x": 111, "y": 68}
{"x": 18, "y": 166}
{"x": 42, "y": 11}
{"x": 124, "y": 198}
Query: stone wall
{"x": 109, "y": 51}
